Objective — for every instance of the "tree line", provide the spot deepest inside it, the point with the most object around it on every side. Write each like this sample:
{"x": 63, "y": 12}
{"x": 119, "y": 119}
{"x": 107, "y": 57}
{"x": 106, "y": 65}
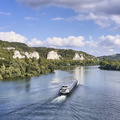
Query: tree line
{"x": 23, "y": 68}
{"x": 13, "y": 68}
{"x": 110, "y": 64}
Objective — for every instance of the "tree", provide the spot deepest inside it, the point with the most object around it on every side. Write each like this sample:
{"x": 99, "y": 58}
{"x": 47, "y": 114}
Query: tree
{"x": 2, "y": 71}
{"x": 1, "y": 78}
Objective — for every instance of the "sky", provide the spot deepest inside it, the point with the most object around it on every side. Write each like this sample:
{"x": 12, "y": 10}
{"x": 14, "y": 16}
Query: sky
{"x": 91, "y": 26}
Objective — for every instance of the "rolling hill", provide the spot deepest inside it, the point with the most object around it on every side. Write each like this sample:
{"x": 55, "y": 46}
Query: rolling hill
{"x": 110, "y": 57}
{"x": 43, "y": 51}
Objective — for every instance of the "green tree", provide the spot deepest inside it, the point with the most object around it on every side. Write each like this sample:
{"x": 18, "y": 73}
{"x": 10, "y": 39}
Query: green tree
{"x": 2, "y": 71}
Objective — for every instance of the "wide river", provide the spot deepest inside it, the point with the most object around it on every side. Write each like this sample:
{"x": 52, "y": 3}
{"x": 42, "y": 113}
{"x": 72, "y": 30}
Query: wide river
{"x": 97, "y": 96}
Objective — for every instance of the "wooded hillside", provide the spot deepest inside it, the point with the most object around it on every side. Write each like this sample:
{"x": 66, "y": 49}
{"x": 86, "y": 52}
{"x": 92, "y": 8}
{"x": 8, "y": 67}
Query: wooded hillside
{"x": 12, "y": 68}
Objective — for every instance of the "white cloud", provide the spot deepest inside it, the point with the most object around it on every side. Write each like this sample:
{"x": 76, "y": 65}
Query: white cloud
{"x": 35, "y": 43}
{"x": 110, "y": 41}
{"x": 101, "y": 20}
{"x": 5, "y": 13}
{"x": 91, "y": 43}
{"x": 105, "y": 45}
{"x": 116, "y": 19}
{"x": 12, "y": 37}
{"x": 57, "y": 18}
{"x": 71, "y": 41}
{"x": 111, "y": 50}
{"x": 31, "y": 18}
{"x": 102, "y": 51}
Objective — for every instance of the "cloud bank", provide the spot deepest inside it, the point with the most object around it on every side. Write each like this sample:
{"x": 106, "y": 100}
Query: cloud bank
{"x": 12, "y": 37}
{"x": 103, "y": 46}
{"x": 97, "y": 6}
{"x": 71, "y": 41}
{"x": 110, "y": 41}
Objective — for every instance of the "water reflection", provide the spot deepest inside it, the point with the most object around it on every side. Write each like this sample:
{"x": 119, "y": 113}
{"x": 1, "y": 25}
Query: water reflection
{"x": 27, "y": 85}
{"x": 61, "y": 77}
{"x": 79, "y": 74}
{"x": 56, "y": 78}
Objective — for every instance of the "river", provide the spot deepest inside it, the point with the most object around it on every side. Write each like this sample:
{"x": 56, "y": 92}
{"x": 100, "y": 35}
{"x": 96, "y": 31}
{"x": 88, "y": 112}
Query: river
{"x": 97, "y": 96}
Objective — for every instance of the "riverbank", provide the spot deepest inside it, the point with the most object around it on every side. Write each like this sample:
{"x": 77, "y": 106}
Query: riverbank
{"x": 16, "y": 68}
{"x": 24, "y": 68}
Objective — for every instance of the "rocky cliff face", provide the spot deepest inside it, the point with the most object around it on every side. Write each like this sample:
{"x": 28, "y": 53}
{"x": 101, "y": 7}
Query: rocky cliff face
{"x": 16, "y": 50}
{"x": 78, "y": 57}
{"x": 9, "y": 48}
{"x": 31, "y": 54}
{"x": 53, "y": 55}
{"x": 18, "y": 54}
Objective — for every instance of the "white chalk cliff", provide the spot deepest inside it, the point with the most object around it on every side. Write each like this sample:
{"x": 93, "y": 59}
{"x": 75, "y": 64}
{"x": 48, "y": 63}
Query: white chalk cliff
{"x": 9, "y": 48}
{"x": 53, "y": 55}
{"x": 18, "y": 54}
{"x": 31, "y": 54}
{"x": 78, "y": 57}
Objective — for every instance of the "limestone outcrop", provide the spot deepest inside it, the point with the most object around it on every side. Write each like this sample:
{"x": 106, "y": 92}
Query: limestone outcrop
{"x": 31, "y": 54}
{"x": 9, "y": 48}
{"x": 53, "y": 55}
{"x": 18, "y": 54}
{"x": 78, "y": 57}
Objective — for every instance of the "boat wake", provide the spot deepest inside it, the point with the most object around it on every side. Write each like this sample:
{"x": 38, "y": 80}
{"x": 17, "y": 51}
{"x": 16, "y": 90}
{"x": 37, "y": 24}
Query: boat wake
{"x": 59, "y": 99}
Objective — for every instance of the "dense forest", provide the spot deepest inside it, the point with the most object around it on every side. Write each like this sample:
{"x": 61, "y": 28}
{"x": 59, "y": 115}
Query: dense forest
{"x": 31, "y": 67}
{"x": 110, "y": 64}
{"x": 26, "y": 67}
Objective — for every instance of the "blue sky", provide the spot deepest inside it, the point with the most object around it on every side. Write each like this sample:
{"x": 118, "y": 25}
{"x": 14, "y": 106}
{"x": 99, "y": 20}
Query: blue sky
{"x": 92, "y": 26}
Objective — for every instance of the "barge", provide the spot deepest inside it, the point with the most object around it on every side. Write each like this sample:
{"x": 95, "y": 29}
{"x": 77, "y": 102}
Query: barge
{"x": 67, "y": 89}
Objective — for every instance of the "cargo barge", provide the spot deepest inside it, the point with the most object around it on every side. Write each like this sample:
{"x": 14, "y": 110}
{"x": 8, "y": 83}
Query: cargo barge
{"x": 67, "y": 89}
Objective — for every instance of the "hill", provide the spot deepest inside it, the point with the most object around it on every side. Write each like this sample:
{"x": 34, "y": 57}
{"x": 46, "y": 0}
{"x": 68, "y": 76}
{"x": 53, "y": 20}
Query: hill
{"x": 64, "y": 53}
{"x": 110, "y": 57}
{"x": 19, "y": 60}
{"x": 16, "y": 45}
{"x": 7, "y": 51}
